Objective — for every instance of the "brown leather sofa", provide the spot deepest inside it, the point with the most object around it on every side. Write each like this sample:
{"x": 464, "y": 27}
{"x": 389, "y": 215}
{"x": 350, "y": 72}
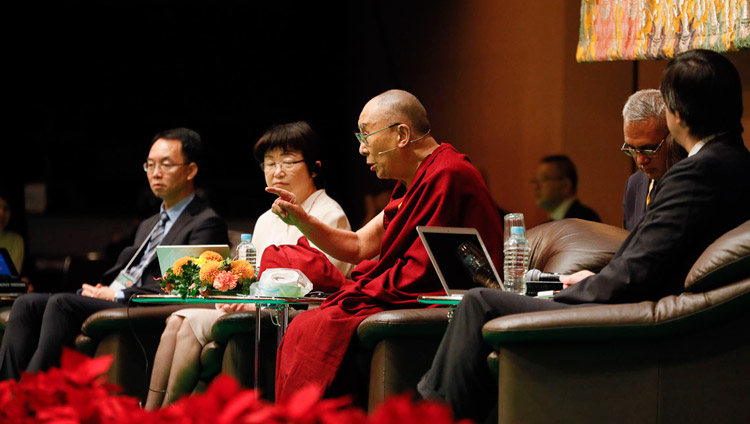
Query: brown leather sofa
{"x": 683, "y": 359}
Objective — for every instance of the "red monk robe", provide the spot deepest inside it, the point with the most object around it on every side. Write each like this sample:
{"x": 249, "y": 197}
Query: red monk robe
{"x": 446, "y": 191}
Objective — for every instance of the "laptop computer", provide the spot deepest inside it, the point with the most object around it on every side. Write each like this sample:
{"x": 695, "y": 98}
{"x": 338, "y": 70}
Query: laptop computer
{"x": 453, "y": 252}
{"x": 167, "y": 254}
{"x": 10, "y": 279}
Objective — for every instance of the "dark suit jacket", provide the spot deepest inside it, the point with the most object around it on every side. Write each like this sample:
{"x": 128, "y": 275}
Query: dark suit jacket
{"x": 699, "y": 199}
{"x": 198, "y": 224}
{"x": 634, "y": 202}
{"x": 580, "y": 211}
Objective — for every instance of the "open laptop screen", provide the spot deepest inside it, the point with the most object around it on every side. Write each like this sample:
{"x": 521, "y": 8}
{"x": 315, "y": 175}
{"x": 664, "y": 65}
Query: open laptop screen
{"x": 7, "y": 270}
{"x": 443, "y": 245}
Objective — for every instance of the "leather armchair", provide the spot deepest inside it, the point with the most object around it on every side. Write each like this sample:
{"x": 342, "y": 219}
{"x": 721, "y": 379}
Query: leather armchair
{"x": 233, "y": 350}
{"x": 132, "y": 336}
{"x": 683, "y": 359}
{"x": 399, "y": 346}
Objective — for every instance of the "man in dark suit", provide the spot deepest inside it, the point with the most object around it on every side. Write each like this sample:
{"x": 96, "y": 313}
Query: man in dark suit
{"x": 40, "y": 324}
{"x": 648, "y": 142}
{"x": 555, "y": 187}
{"x": 696, "y": 201}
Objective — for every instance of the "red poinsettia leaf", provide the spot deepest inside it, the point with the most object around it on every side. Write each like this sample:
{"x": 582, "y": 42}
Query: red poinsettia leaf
{"x": 64, "y": 414}
{"x": 266, "y": 415}
{"x": 7, "y": 388}
{"x": 398, "y": 409}
{"x": 245, "y": 402}
{"x": 345, "y": 416}
{"x": 82, "y": 370}
{"x": 223, "y": 388}
{"x": 303, "y": 402}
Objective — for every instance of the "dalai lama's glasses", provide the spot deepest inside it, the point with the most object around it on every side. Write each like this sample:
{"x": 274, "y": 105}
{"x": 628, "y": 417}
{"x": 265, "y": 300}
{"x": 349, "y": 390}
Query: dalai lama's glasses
{"x": 648, "y": 152}
{"x": 362, "y": 138}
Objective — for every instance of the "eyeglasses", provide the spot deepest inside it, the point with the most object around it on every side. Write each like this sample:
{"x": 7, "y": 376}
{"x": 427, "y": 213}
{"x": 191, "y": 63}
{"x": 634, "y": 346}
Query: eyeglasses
{"x": 362, "y": 138}
{"x": 648, "y": 152}
{"x": 286, "y": 165}
{"x": 150, "y": 167}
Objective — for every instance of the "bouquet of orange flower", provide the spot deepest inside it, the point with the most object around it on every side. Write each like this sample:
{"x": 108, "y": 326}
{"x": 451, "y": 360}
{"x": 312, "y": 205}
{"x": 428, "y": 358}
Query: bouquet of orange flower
{"x": 191, "y": 276}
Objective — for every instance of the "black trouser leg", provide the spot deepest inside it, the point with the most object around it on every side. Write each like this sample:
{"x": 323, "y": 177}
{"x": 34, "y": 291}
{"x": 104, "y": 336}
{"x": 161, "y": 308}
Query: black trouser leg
{"x": 21, "y": 334}
{"x": 63, "y": 317}
{"x": 459, "y": 375}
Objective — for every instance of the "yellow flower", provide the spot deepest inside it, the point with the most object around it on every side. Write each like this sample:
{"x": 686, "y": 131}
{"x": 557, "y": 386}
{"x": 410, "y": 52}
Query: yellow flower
{"x": 210, "y": 255}
{"x": 243, "y": 269}
{"x": 177, "y": 266}
{"x": 209, "y": 271}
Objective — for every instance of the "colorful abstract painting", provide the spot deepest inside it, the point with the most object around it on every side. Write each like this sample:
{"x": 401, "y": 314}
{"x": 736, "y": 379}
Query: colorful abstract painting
{"x": 658, "y": 29}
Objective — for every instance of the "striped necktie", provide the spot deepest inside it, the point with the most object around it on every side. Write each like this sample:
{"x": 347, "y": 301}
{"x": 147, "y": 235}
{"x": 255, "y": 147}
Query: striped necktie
{"x": 648, "y": 196}
{"x": 157, "y": 235}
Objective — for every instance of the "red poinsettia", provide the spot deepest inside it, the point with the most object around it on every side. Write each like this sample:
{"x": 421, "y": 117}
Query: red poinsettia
{"x": 78, "y": 392}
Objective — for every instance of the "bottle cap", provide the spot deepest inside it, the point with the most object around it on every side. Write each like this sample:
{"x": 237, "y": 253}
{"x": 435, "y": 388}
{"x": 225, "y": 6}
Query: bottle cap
{"x": 246, "y": 237}
{"x": 516, "y": 231}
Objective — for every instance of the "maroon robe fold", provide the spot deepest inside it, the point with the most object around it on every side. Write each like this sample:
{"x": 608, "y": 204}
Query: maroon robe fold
{"x": 446, "y": 191}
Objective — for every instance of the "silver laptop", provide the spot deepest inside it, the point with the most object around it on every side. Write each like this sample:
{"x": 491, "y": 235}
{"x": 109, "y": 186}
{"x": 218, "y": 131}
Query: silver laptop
{"x": 168, "y": 254}
{"x": 452, "y": 251}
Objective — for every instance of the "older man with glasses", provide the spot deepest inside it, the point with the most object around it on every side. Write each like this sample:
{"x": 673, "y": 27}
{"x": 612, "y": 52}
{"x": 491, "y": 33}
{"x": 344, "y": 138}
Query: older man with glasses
{"x": 437, "y": 186}
{"x": 41, "y": 324}
{"x": 648, "y": 142}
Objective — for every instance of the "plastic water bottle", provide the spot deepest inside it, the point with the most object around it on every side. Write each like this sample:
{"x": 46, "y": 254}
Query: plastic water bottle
{"x": 516, "y": 261}
{"x": 476, "y": 264}
{"x": 246, "y": 250}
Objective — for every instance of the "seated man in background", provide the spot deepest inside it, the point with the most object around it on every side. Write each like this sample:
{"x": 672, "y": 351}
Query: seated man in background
{"x": 648, "y": 142}
{"x": 437, "y": 186}
{"x": 693, "y": 204}
{"x": 41, "y": 324}
{"x": 555, "y": 187}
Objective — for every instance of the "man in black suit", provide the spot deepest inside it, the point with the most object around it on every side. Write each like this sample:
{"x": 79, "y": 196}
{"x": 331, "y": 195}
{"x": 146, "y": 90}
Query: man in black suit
{"x": 40, "y": 324}
{"x": 555, "y": 187}
{"x": 648, "y": 142}
{"x": 695, "y": 202}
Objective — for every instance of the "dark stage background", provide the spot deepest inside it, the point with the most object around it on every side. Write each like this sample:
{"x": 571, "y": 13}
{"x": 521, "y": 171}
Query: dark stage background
{"x": 90, "y": 83}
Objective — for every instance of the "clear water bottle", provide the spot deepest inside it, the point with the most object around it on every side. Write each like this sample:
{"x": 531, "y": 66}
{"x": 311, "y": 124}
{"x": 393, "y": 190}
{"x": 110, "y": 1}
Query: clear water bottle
{"x": 246, "y": 250}
{"x": 516, "y": 261}
{"x": 475, "y": 262}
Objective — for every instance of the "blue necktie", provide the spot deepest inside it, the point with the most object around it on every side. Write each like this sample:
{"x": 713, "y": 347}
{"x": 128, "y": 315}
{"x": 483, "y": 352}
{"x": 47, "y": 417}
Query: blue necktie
{"x": 157, "y": 235}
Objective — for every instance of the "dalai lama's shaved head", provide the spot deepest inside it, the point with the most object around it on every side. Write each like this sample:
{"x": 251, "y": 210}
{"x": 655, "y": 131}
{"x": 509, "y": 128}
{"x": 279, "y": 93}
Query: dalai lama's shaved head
{"x": 402, "y": 106}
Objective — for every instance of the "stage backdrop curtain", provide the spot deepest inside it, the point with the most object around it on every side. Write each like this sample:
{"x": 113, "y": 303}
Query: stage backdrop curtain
{"x": 657, "y": 29}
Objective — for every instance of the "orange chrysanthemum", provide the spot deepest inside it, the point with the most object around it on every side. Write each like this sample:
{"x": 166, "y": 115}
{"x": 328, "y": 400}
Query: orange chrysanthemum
{"x": 243, "y": 269}
{"x": 209, "y": 271}
{"x": 177, "y": 266}
{"x": 210, "y": 255}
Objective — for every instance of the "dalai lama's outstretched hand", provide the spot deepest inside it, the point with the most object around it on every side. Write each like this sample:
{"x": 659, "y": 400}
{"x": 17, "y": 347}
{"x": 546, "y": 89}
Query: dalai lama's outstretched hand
{"x": 286, "y": 207}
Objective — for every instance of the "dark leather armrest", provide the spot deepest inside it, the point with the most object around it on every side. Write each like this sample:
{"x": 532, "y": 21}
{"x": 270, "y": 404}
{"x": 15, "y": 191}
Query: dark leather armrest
{"x": 670, "y": 316}
{"x": 244, "y": 322}
{"x": 103, "y": 323}
{"x": 402, "y": 323}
